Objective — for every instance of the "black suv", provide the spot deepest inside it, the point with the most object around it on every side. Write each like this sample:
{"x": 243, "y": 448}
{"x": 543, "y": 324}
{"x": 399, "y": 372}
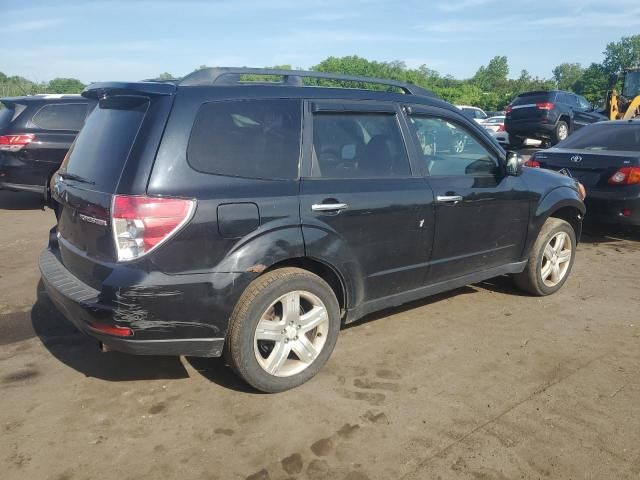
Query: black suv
{"x": 35, "y": 134}
{"x": 547, "y": 116}
{"x": 217, "y": 216}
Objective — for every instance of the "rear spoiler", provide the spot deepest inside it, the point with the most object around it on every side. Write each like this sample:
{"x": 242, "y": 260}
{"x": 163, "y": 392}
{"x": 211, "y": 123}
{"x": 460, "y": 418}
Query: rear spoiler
{"x": 151, "y": 89}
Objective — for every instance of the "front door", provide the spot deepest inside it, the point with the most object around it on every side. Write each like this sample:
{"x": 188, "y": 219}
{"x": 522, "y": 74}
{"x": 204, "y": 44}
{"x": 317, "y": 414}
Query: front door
{"x": 481, "y": 213}
{"x": 361, "y": 206}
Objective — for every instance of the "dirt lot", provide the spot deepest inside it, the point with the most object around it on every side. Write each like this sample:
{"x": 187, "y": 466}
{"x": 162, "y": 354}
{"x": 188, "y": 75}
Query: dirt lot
{"x": 479, "y": 383}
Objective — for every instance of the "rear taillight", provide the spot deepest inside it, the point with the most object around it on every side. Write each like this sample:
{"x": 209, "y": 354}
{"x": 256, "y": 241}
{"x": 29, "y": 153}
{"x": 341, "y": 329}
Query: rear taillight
{"x": 14, "y": 143}
{"x": 545, "y": 105}
{"x": 501, "y": 127}
{"x": 532, "y": 164}
{"x": 625, "y": 176}
{"x": 508, "y": 110}
{"x": 142, "y": 223}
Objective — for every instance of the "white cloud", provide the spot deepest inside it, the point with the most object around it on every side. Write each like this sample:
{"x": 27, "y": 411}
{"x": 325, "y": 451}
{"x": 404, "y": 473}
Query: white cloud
{"x": 30, "y": 25}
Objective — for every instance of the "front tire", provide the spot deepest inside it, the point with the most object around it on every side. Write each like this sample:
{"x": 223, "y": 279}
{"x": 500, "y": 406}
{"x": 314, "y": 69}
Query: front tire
{"x": 283, "y": 329}
{"x": 551, "y": 259}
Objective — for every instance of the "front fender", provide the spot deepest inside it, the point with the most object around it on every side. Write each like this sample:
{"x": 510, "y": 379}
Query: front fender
{"x": 560, "y": 197}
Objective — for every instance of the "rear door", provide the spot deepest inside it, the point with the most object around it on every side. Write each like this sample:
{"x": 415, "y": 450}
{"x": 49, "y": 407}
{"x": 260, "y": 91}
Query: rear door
{"x": 360, "y": 203}
{"x": 481, "y": 214}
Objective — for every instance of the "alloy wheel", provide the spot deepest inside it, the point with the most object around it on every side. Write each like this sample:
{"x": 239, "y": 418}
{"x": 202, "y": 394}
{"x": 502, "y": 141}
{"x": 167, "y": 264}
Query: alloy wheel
{"x": 291, "y": 333}
{"x": 556, "y": 259}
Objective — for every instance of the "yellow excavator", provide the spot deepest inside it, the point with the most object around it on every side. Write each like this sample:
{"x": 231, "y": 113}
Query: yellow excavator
{"x": 626, "y": 104}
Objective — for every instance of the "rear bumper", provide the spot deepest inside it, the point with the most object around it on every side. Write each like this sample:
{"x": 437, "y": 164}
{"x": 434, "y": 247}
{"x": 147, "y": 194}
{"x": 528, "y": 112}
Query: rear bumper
{"x": 156, "y": 330}
{"x": 18, "y": 187}
{"x": 605, "y": 209}
{"x": 530, "y": 129}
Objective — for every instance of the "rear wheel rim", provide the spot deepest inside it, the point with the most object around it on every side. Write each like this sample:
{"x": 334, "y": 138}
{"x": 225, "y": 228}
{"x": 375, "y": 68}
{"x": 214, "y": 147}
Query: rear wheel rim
{"x": 556, "y": 259}
{"x": 291, "y": 334}
{"x": 563, "y": 131}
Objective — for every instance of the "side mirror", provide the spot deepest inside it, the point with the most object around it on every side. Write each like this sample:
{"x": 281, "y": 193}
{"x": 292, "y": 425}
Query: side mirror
{"x": 514, "y": 164}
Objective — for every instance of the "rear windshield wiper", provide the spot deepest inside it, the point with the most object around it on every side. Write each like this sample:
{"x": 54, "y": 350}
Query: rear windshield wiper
{"x": 77, "y": 178}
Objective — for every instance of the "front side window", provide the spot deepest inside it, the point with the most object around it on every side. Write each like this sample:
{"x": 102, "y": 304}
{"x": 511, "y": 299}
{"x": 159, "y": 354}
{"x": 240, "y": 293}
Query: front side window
{"x": 358, "y": 145}
{"x": 67, "y": 116}
{"x": 247, "y": 138}
{"x": 450, "y": 149}
{"x": 584, "y": 104}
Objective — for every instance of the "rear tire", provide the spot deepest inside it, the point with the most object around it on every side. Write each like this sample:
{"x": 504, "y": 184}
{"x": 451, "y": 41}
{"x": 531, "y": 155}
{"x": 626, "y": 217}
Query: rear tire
{"x": 551, "y": 259}
{"x": 283, "y": 329}
{"x": 561, "y": 132}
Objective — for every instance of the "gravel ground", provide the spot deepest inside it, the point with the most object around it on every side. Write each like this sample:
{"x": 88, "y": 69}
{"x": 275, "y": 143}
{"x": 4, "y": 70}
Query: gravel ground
{"x": 479, "y": 383}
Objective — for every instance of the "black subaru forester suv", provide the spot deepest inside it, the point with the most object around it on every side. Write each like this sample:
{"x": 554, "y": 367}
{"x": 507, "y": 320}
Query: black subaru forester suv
{"x": 214, "y": 216}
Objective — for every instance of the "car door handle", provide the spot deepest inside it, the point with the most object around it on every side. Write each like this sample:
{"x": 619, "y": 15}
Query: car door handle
{"x": 449, "y": 198}
{"x": 329, "y": 207}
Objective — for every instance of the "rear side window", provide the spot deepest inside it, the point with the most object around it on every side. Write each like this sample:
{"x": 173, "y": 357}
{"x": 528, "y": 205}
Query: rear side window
{"x": 247, "y": 138}
{"x": 533, "y": 98}
{"x": 100, "y": 151}
{"x": 64, "y": 116}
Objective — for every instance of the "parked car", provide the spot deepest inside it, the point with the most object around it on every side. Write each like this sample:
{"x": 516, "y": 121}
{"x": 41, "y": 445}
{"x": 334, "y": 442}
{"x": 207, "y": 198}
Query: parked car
{"x": 35, "y": 134}
{"x": 548, "y": 116}
{"x": 494, "y": 124}
{"x": 605, "y": 158}
{"x": 210, "y": 216}
{"x": 473, "y": 113}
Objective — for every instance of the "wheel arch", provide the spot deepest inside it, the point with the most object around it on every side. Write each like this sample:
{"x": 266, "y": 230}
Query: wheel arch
{"x": 562, "y": 202}
{"x": 325, "y": 271}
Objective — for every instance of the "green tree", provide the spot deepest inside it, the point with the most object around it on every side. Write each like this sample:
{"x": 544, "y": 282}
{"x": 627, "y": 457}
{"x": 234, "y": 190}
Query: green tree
{"x": 65, "y": 85}
{"x": 494, "y": 75}
{"x": 166, "y": 76}
{"x": 593, "y": 84}
{"x": 567, "y": 75}
{"x": 622, "y": 54}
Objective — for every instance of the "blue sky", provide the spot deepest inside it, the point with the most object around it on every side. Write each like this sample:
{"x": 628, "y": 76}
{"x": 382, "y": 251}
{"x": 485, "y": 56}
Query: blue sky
{"x": 131, "y": 40}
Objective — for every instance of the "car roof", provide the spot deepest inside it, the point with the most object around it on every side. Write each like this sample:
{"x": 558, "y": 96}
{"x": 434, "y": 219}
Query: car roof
{"x": 629, "y": 121}
{"x": 45, "y": 97}
{"x": 230, "y": 81}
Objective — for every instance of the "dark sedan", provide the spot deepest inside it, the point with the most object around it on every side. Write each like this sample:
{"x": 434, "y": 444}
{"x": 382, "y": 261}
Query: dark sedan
{"x": 605, "y": 158}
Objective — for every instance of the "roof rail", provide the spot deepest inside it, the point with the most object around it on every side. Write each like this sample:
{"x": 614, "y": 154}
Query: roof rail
{"x": 232, "y": 76}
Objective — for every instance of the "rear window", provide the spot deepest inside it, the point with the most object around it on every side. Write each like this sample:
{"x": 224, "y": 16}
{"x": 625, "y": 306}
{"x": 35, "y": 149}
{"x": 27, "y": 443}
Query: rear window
{"x": 101, "y": 150}
{"x": 247, "y": 138}
{"x": 532, "y": 98}
{"x": 625, "y": 138}
{"x": 63, "y": 116}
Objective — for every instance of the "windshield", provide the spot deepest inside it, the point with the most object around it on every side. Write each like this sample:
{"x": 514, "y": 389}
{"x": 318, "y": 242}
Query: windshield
{"x": 631, "y": 85}
{"x": 612, "y": 136}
